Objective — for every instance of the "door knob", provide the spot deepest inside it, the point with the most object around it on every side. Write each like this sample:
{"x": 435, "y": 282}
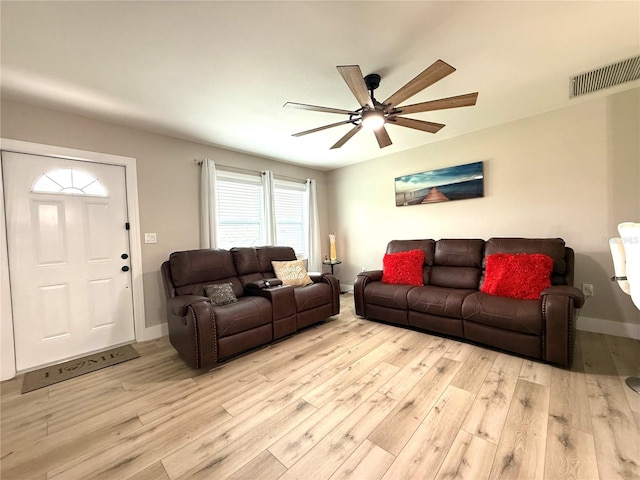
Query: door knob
{"x": 124, "y": 256}
{"x": 125, "y": 269}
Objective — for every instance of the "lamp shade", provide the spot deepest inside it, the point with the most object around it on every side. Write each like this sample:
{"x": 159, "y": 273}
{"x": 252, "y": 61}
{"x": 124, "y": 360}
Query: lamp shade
{"x": 619, "y": 264}
{"x": 630, "y": 235}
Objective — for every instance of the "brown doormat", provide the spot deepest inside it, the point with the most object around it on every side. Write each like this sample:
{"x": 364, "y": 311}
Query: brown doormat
{"x": 74, "y": 368}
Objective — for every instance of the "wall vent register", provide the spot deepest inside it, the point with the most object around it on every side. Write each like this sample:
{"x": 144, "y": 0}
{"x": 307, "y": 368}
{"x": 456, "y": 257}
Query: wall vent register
{"x": 604, "y": 77}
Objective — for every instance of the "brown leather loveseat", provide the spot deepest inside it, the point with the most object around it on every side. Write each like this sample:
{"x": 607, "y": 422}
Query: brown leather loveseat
{"x": 451, "y": 301}
{"x": 205, "y": 333}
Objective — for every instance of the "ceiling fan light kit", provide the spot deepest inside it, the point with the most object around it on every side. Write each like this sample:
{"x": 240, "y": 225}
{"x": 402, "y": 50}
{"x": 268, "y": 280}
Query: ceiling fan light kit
{"x": 373, "y": 119}
{"x": 373, "y": 114}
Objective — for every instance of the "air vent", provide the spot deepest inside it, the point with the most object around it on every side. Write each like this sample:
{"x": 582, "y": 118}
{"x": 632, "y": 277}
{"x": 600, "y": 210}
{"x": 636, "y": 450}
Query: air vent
{"x": 605, "y": 77}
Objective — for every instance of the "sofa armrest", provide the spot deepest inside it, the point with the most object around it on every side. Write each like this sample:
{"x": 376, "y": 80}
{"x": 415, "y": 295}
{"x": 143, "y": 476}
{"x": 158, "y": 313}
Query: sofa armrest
{"x": 566, "y": 290}
{"x": 317, "y": 276}
{"x": 178, "y": 305}
{"x": 283, "y": 302}
{"x": 559, "y": 314}
{"x": 362, "y": 280}
{"x": 262, "y": 284}
{"x": 334, "y": 284}
{"x": 192, "y": 330}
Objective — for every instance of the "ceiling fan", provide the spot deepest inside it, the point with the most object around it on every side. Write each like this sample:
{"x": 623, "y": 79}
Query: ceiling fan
{"x": 374, "y": 114}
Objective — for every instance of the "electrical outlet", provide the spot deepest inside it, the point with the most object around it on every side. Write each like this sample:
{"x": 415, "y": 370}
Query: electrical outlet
{"x": 150, "y": 238}
{"x": 364, "y": 269}
{"x": 587, "y": 289}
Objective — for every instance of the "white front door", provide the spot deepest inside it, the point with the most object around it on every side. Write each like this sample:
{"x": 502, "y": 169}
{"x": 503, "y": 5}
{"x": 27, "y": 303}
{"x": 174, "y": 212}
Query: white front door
{"x": 68, "y": 257}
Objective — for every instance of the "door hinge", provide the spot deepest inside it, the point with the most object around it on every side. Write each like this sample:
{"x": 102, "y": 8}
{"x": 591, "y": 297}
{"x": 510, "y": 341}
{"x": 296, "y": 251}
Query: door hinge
{"x": 127, "y": 226}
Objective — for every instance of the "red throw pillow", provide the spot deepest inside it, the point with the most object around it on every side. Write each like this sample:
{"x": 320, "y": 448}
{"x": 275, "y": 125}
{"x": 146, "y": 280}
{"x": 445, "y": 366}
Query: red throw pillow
{"x": 403, "y": 268}
{"x": 517, "y": 275}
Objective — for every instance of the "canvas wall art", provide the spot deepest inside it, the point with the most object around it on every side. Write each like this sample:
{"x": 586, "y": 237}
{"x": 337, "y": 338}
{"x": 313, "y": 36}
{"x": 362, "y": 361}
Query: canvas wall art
{"x": 441, "y": 185}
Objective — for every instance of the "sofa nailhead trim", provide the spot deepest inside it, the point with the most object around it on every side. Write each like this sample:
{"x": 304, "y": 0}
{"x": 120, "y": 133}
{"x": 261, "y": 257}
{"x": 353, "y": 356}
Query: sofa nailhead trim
{"x": 195, "y": 331}
{"x": 544, "y": 327}
{"x": 215, "y": 335}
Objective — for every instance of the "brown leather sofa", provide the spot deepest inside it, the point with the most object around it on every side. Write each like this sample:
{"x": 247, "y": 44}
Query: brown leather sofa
{"x": 451, "y": 303}
{"x": 204, "y": 333}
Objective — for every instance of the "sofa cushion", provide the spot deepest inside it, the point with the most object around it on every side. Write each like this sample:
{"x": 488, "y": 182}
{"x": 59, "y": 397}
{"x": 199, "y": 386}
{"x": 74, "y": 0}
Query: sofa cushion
{"x": 553, "y": 247}
{"x": 455, "y": 277}
{"x": 517, "y": 275}
{"x": 386, "y": 295}
{"x": 199, "y": 288}
{"x": 245, "y": 260}
{"x": 456, "y": 252}
{"x": 269, "y": 254}
{"x": 457, "y": 263}
{"x": 200, "y": 266}
{"x": 403, "y": 268}
{"x": 524, "y": 316}
{"x": 427, "y": 246}
{"x": 312, "y": 296}
{"x": 245, "y": 314}
{"x": 249, "y": 260}
{"x": 291, "y": 273}
{"x": 445, "y": 302}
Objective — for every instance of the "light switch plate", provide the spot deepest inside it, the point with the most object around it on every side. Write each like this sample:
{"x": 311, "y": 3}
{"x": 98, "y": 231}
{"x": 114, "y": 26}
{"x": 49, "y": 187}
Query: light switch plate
{"x": 150, "y": 238}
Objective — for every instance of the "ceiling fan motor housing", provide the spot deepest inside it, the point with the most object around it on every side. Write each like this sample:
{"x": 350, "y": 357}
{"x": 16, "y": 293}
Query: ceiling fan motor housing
{"x": 372, "y": 81}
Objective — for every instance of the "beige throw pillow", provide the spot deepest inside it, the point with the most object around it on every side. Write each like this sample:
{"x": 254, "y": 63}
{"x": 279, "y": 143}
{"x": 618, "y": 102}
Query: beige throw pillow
{"x": 292, "y": 273}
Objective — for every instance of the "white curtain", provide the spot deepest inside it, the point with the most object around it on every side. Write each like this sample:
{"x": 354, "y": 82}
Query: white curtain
{"x": 314, "y": 263}
{"x": 269, "y": 207}
{"x": 208, "y": 204}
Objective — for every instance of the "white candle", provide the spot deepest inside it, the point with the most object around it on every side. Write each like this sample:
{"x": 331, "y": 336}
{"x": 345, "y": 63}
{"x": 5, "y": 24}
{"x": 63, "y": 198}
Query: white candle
{"x": 332, "y": 247}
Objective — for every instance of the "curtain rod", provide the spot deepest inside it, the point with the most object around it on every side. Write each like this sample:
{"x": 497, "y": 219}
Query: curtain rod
{"x": 254, "y": 172}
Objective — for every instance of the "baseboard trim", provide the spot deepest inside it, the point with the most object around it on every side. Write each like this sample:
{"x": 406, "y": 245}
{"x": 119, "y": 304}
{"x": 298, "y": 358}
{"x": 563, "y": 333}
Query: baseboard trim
{"x": 344, "y": 288}
{"x": 157, "y": 331}
{"x": 588, "y": 324}
{"x": 618, "y": 329}
{"x": 149, "y": 333}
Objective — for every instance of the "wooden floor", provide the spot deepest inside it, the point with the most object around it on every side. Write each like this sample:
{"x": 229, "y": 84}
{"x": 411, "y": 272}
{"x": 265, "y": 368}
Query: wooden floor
{"x": 349, "y": 399}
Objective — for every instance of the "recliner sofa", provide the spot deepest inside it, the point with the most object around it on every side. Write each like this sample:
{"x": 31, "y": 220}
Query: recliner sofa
{"x": 204, "y": 333}
{"x": 451, "y": 301}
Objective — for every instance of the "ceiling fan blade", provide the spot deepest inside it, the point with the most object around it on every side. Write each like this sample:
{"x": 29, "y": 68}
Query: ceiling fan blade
{"x": 437, "y": 71}
{"x": 313, "y": 130}
{"x": 347, "y": 137}
{"x": 303, "y": 106}
{"x": 352, "y": 75}
{"x": 416, "y": 124}
{"x": 383, "y": 137}
{"x": 466, "y": 100}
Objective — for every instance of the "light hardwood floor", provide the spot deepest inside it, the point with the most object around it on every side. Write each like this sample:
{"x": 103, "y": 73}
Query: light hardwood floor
{"x": 349, "y": 399}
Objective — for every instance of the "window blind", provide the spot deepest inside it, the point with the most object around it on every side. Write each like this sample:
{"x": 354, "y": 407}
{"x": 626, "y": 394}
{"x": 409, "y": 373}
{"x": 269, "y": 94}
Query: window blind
{"x": 291, "y": 216}
{"x": 241, "y": 213}
{"x": 240, "y": 207}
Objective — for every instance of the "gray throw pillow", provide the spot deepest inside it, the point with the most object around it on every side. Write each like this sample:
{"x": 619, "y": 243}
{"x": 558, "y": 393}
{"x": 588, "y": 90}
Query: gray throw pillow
{"x": 220, "y": 293}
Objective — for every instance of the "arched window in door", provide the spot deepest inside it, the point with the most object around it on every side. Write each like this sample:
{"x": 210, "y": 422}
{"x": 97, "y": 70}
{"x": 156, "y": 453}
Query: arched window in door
{"x": 69, "y": 181}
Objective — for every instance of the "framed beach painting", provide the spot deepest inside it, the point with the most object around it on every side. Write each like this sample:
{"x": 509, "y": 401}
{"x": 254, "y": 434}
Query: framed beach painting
{"x": 441, "y": 185}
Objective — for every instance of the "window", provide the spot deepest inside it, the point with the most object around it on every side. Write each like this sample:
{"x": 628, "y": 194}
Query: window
{"x": 69, "y": 181}
{"x": 291, "y": 217}
{"x": 240, "y": 210}
{"x": 241, "y": 214}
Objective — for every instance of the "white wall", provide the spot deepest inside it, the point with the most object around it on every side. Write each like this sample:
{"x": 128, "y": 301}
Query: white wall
{"x": 573, "y": 173}
{"x": 168, "y": 179}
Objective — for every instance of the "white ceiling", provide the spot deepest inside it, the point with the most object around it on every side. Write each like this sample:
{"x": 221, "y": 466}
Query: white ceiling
{"x": 220, "y": 72}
